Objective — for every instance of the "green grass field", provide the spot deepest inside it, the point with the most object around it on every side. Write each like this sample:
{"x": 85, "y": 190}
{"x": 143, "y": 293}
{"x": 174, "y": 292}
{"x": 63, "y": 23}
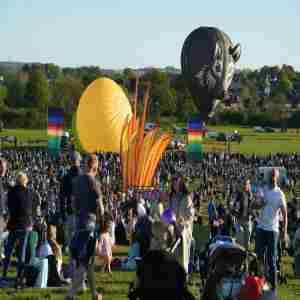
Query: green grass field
{"x": 262, "y": 143}
{"x": 253, "y": 142}
{"x": 116, "y": 287}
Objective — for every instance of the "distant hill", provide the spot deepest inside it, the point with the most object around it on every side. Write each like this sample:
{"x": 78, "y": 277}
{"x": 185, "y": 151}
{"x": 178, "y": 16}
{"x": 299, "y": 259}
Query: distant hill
{"x": 17, "y": 66}
{"x": 8, "y": 66}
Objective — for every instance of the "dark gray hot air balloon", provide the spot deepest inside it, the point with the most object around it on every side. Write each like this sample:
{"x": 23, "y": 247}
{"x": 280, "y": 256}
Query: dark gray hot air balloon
{"x": 208, "y": 61}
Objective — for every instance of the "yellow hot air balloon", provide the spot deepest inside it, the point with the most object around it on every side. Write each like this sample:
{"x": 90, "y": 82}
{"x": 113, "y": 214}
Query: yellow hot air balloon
{"x": 101, "y": 113}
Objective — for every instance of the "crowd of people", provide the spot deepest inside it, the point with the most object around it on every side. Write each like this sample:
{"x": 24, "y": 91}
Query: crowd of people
{"x": 74, "y": 206}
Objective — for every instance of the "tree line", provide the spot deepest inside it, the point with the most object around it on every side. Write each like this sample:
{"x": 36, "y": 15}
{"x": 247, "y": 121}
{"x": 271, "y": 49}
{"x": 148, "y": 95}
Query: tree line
{"x": 269, "y": 96}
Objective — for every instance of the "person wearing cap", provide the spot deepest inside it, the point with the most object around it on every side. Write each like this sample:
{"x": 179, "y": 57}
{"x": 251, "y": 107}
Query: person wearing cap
{"x": 88, "y": 207}
{"x": 272, "y": 202}
{"x": 65, "y": 198}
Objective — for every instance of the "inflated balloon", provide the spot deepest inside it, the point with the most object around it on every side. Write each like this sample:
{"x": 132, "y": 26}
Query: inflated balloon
{"x": 208, "y": 61}
{"x": 168, "y": 216}
{"x": 102, "y": 111}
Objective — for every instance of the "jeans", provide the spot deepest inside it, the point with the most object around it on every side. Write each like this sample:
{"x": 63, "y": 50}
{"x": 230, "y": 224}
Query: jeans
{"x": 69, "y": 228}
{"x": 15, "y": 238}
{"x": 83, "y": 251}
{"x": 243, "y": 234}
{"x": 266, "y": 244}
{"x": 78, "y": 278}
{"x": 3, "y": 239}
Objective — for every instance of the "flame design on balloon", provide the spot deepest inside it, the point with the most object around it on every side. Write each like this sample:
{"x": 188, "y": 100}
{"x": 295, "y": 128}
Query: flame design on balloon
{"x": 140, "y": 153}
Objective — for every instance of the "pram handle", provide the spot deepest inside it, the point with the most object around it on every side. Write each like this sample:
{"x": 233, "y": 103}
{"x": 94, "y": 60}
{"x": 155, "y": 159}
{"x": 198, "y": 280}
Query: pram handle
{"x": 178, "y": 241}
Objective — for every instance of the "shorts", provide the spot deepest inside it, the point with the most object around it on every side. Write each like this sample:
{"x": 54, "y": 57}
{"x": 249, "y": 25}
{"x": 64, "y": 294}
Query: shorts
{"x": 83, "y": 247}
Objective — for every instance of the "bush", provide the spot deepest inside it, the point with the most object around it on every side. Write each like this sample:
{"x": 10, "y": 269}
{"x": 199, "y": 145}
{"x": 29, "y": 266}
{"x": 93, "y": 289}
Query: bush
{"x": 23, "y": 118}
{"x": 264, "y": 119}
{"x": 231, "y": 118}
{"x": 294, "y": 120}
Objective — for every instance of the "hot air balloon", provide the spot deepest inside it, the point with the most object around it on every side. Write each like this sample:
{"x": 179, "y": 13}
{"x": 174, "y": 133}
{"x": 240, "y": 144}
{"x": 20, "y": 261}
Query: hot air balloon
{"x": 208, "y": 61}
{"x": 103, "y": 108}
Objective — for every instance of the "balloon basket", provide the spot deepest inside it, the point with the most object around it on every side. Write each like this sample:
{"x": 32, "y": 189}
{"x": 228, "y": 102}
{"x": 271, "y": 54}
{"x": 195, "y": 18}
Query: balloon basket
{"x": 142, "y": 189}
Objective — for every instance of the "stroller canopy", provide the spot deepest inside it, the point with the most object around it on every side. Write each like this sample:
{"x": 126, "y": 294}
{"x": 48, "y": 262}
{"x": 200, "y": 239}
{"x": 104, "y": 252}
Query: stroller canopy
{"x": 228, "y": 251}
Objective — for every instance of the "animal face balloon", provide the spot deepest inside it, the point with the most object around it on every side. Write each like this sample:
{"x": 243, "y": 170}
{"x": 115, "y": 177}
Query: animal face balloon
{"x": 208, "y": 61}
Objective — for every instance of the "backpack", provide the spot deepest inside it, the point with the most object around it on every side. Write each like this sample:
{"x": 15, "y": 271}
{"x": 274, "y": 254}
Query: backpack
{"x": 252, "y": 289}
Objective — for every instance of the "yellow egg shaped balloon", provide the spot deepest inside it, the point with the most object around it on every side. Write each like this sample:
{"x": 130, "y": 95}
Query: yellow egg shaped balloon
{"x": 102, "y": 111}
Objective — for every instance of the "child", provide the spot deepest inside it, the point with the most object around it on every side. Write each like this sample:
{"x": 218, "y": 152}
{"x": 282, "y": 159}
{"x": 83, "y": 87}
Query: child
{"x": 105, "y": 247}
{"x": 133, "y": 253}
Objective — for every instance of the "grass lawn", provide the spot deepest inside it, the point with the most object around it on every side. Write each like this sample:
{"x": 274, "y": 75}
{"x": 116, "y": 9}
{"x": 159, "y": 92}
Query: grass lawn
{"x": 253, "y": 142}
{"x": 116, "y": 287}
{"x": 263, "y": 143}
{"x": 25, "y": 134}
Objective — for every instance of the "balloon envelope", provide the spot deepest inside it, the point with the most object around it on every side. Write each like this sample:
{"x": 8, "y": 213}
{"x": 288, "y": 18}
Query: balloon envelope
{"x": 207, "y": 61}
{"x": 102, "y": 111}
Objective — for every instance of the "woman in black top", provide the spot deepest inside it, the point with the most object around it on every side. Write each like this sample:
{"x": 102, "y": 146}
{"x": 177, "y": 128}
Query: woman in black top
{"x": 19, "y": 204}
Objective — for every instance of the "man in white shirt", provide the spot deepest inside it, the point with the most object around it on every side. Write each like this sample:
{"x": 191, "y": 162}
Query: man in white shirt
{"x": 272, "y": 203}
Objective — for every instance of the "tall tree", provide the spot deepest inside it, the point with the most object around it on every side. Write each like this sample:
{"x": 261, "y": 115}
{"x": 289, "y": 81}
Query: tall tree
{"x": 66, "y": 93}
{"x": 161, "y": 92}
{"x": 52, "y": 71}
{"x": 3, "y": 95}
{"x": 15, "y": 92}
{"x": 37, "y": 90}
{"x": 89, "y": 74}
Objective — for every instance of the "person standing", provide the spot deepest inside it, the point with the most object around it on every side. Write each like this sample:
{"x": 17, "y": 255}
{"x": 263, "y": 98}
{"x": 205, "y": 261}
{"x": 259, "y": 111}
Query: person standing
{"x": 242, "y": 204}
{"x": 3, "y": 205}
{"x": 105, "y": 247}
{"x": 212, "y": 216}
{"x": 88, "y": 207}
{"x": 272, "y": 202}
{"x": 19, "y": 203}
{"x": 67, "y": 213}
{"x": 182, "y": 206}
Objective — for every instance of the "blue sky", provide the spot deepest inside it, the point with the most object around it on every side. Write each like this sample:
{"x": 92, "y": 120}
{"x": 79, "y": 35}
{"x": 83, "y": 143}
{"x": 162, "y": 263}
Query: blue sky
{"x": 138, "y": 33}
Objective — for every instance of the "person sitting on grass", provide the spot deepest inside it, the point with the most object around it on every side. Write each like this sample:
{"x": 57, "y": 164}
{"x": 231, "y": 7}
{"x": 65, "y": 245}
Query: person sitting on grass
{"x": 133, "y": 253}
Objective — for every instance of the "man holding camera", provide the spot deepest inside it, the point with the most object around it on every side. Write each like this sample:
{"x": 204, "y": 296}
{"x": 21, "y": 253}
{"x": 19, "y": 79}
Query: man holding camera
{"x": 272, "y": 202}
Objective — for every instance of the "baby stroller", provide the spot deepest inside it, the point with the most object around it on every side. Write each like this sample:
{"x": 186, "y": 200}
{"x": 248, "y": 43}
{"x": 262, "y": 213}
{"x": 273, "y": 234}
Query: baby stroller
{"x": 226, "y": 269}
{"x": 202, "y": 257}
